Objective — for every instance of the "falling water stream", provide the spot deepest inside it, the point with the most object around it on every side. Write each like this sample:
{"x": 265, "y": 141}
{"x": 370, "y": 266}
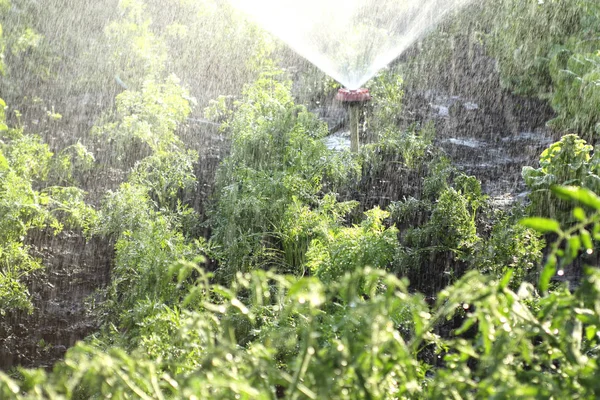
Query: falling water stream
{"x": 350, "y": 40}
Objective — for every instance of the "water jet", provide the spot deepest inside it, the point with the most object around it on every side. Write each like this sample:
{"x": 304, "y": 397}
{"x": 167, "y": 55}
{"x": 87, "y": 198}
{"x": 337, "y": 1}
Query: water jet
{"x": 354, "y": 99}
{"x": 349, "y": 40}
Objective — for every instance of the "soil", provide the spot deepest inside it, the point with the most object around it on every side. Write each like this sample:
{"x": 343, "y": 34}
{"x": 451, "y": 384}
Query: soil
{"x": 75, "y": 269}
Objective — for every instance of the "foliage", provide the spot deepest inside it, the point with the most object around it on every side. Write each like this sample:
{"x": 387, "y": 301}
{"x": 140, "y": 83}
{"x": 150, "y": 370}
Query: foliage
{"x": 526, "y": 37}
{"x": 577, "y": 237}
{"x": 270, "y": 336}
{"x": 440, "y": 235}
{"x": 409, "y": 148}
{"x": 146, "y": 120}
{"x": 139, "y": 52}
{"x": 165, "y": 174}
{"x": 546, "y": 49}
{"x": 566, "y": 162}
{"x": 511, "y": 246}
{"x": 575, "y": 74}
{"x": 145, "y": 215}
{"x": 277, "y": 161}
{"x": 302, "y": 224}
{"x": 387, "y": 90}
{"x": 345, "y": 249}
{"x": 337, "y": 325}
{"x": 27, "y": 202}
{"x": 549, "y": 49}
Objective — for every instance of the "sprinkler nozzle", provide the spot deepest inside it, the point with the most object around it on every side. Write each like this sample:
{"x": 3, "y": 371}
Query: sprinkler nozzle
{"x": 353, "y": 96}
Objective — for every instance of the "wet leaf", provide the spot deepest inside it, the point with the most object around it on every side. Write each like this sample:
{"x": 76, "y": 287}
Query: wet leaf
{"x": 543, "y": 225}
{"x": 547, "y": 273}
{"x": 579, "y": 213}
{"x": 580, "y": 194}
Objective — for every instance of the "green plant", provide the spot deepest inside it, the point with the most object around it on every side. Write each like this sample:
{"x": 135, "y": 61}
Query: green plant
{"x": 270, "y": 336}
{"x": 511, "y": 246}
{"x": 387, "y": 91}
{"x": 28, "y": 202}
{"x": 146, "y": 120}
{"x": 345, "y": 249}
{"x": 302, "y": 223}
{"x": 549, "y": 49}
{"x": 576, "y": 98}
{"x": 566, "y": 162}
{"x": 277, "y": 163}
{"x": 439, "y": 236}
{"x": 577, "y": 237}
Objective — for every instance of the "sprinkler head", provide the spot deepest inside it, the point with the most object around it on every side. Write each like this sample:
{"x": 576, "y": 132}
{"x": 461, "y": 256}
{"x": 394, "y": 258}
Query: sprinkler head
{"x": 353, "y": 96}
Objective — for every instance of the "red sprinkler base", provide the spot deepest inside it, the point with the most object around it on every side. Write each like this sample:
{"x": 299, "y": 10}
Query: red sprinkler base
{"x": 354, "y": 99}
{"x": 353, "y": 96}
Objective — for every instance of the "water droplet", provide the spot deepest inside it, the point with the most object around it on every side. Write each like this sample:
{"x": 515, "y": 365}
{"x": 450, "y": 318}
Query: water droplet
{"x": 560, "y": 272}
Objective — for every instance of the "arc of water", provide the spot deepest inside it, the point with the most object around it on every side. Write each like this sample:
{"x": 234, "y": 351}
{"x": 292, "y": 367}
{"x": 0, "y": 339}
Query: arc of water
{"x": 350, "y": 40}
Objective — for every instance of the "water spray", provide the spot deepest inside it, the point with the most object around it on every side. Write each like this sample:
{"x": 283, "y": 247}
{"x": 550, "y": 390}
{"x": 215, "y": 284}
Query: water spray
{"x": 354, "y": 99}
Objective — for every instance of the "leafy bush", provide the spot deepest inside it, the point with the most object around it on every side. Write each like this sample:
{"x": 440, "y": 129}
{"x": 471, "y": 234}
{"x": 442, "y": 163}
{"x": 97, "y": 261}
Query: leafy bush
{"x": 302, "y": 224}
{"x": 511, "y": 246}
{"x": 28, "y": 202}
{"x": 549, "y": 49}
{"x": 575, "y": 73}
{"x": 268, "y": 336}
{"x": 546, "y": 49}
{"x": 439, "y": 236}
{"x": 343, "y": 249}
{"x": 526, "y": 37}
{"x": 387, "y": 90}
{"x": 145, "y": 215}
{"x": 577, "y": 237}
{"x": 277, "y": 161}
{"x": 566, "y": 162}
{"x": 146, "y": 121}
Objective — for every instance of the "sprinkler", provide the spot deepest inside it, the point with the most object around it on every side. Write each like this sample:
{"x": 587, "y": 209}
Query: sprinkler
{"x": 354, "y": 99}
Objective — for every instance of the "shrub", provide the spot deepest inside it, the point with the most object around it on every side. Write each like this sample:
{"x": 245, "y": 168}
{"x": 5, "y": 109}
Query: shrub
{"x": 549, "y": 49}
{"x": 566, "y": 162}
{"x": 27, "y": 202}
{"x": 345, "y": 249}
{"x": 277, "y": 161}
{"x": 438, "y": 237}
{"x": 513, "y": 247}
{"x": 575, "y": 74}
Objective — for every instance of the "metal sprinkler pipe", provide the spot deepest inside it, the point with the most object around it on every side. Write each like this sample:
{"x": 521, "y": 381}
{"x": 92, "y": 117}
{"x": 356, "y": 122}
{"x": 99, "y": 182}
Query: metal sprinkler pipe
{"x": 354, "y": 99}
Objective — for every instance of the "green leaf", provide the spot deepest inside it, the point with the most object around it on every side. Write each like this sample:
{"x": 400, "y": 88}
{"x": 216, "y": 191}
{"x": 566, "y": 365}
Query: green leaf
{"x": 542, "y": 225}
{"x": 574, "y": 246}
{"x": 590, "y": 332}
{"x": 574, "y": 193}
{"x": 586, "y": 239}
{"x": 506, "y": 278}
{"x": 547, "y": 273}
{"x": 579, "y": 213}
